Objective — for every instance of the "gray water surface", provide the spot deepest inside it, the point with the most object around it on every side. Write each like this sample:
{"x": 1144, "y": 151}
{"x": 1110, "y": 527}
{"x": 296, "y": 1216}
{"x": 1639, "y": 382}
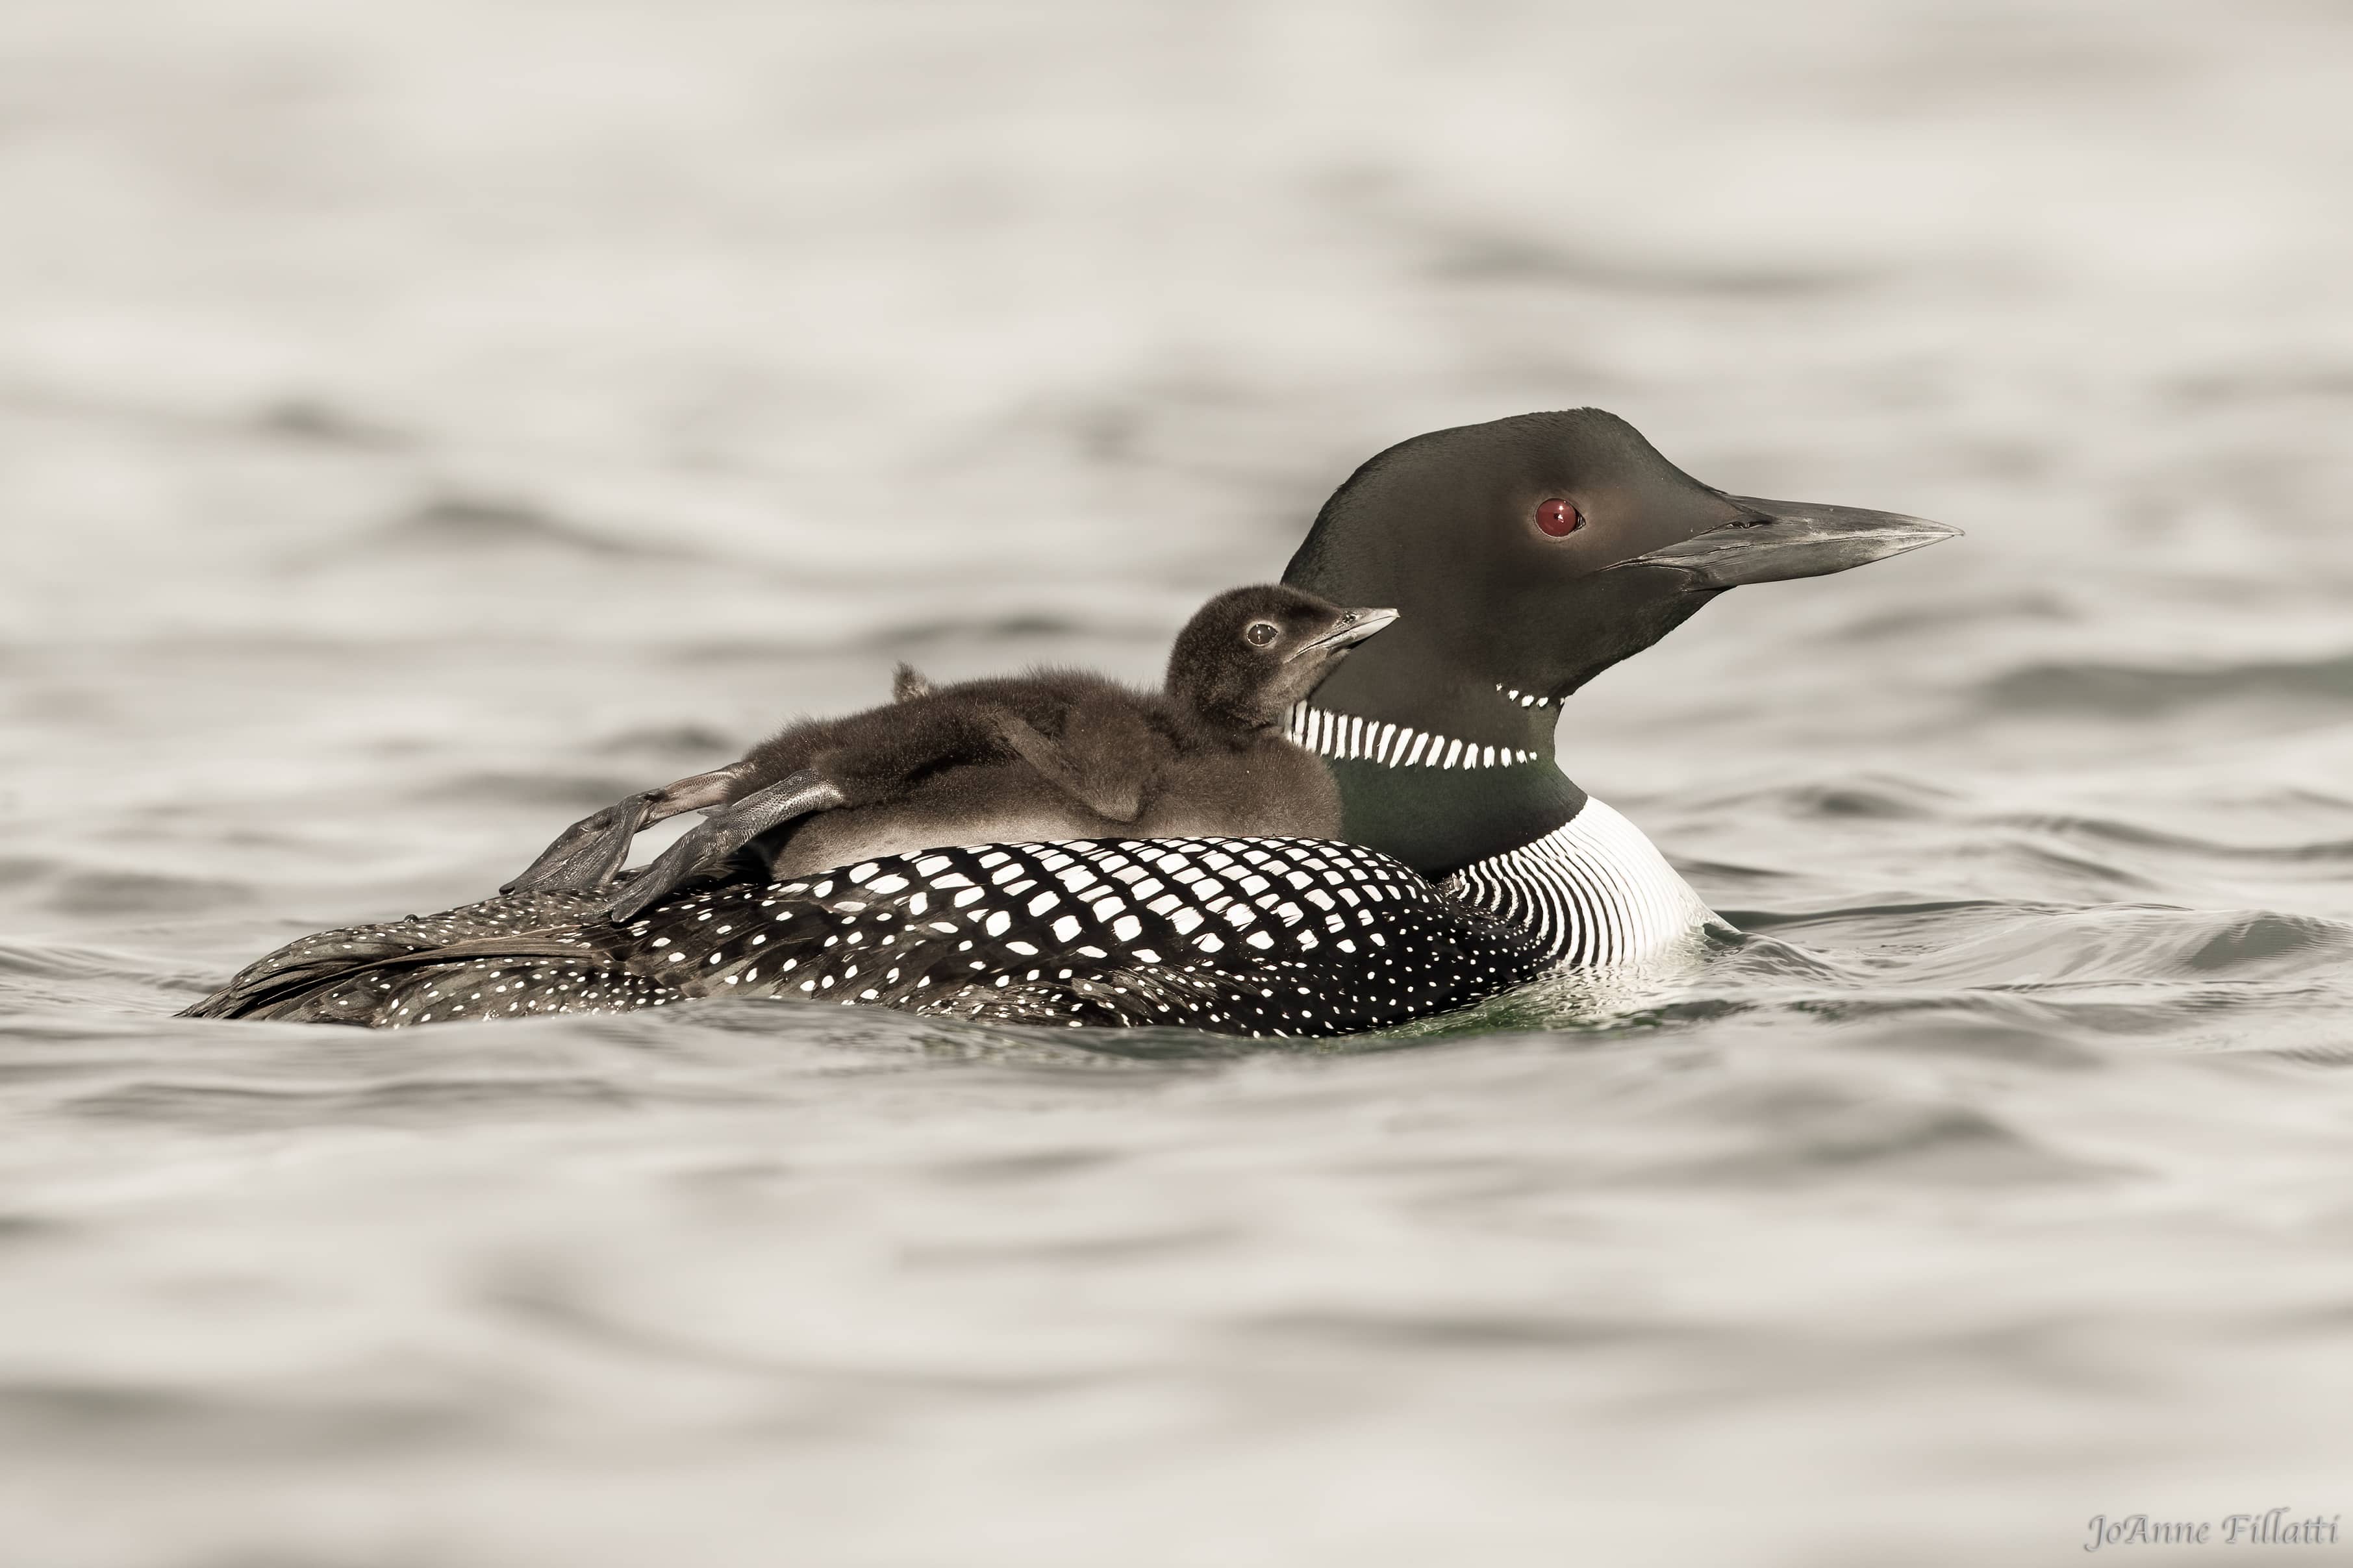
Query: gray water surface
{"x": 421, "y": 424}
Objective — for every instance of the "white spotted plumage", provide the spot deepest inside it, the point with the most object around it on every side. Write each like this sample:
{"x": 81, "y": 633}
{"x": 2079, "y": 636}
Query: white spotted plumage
{"x": 1267, "y": 938}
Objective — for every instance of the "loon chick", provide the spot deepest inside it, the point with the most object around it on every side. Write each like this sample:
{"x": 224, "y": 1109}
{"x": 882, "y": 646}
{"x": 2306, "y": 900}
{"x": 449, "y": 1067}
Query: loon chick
{"x": 963, "y": 764}
{"x": 587, "y": 854}
{"x": 1527, "y": 555}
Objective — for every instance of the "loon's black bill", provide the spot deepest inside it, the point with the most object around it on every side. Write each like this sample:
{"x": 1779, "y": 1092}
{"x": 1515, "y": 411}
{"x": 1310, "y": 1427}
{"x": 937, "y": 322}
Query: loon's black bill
{"x": 1354, "y": 628}
{"x": 1783, "y": 539}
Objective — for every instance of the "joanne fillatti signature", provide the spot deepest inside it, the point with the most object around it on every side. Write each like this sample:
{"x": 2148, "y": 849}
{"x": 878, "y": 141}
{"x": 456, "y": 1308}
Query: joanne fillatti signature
{"x": 2271, "y": 1529}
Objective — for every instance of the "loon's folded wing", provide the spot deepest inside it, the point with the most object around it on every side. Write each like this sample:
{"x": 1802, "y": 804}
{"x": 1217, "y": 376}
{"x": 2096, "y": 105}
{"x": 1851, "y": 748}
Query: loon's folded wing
{"x": 1245, "y": 936}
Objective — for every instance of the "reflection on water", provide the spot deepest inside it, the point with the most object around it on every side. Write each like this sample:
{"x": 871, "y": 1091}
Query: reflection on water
{"x": 423, "y": 424}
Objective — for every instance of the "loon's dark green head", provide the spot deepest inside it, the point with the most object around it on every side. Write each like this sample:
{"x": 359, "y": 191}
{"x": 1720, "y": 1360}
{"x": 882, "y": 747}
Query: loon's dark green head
{"x": 1525, "y": 556}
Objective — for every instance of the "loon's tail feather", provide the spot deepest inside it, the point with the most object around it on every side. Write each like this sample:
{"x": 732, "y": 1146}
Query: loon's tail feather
{"x": 272, "y": 986}
{"x": 404, "y": 988}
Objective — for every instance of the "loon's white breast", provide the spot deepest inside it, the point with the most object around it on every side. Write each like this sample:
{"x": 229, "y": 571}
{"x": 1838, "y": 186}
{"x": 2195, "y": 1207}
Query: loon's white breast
{"x": 1594, "y": 890}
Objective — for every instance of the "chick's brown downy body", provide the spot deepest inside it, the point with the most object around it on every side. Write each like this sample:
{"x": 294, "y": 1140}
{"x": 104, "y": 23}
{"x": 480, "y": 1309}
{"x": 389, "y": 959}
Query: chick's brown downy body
{"x": 1052, "y": 754}
{"x": 949, "y": 768}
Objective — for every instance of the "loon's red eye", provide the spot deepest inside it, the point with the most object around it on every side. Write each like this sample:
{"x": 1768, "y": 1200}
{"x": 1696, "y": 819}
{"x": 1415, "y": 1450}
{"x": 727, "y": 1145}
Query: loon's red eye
{"x": 1558, "y": 518}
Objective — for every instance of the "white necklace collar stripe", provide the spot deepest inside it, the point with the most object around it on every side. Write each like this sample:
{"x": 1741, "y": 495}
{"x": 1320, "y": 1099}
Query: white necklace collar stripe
{"x": 1392, "y": 745}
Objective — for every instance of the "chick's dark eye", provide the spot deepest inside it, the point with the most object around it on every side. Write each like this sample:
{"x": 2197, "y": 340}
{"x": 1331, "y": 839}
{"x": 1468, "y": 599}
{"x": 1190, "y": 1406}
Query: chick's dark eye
{"x": 1261, "y": 633}
{"x": 1559, "y": 518}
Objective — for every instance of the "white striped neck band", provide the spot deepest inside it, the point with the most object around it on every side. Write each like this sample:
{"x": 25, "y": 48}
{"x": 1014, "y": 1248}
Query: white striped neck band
{"x": 1393, "y": 745}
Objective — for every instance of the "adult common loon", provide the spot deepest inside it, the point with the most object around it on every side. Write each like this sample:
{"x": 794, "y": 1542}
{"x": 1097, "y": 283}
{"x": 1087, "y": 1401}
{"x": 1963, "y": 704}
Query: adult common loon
{"x": 1526, "y": 555}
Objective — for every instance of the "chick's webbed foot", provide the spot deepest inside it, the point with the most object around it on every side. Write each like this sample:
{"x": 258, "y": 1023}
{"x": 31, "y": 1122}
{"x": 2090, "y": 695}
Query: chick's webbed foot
{"x": 705, "y": 851}
{"x": 584, "y": 856}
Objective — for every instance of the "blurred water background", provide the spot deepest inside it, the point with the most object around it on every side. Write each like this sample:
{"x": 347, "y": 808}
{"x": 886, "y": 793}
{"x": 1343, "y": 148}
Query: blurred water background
{"x": 420, "y": 424}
